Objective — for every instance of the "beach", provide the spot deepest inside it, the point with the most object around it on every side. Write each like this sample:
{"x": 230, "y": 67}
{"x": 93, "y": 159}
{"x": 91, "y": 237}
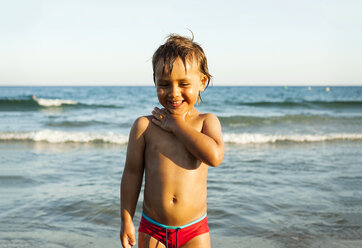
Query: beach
{"x": 291, "y": 175}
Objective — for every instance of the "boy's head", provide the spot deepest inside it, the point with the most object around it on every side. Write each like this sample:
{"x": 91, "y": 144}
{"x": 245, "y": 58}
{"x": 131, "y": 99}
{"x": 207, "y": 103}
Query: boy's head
{"x": 186, "y": 49}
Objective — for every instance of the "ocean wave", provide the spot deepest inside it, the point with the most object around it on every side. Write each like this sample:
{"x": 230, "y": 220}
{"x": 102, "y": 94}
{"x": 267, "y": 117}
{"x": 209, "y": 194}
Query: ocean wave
{"x": 15, "y": 180}
{"x": 239, "y": 120}
{"x": 255, "y": 138}
{"x": 54, "y": 102}
{"x": 305, "y": 104}
{"x": 39, "y": 103}
{"x": 21, "y": 104}
{"x": 77, "y": 123}
{"x": 51, "y": 136}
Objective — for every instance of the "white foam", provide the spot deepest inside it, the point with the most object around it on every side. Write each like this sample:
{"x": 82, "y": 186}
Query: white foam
{"x": 52, "y": 136}
{"x": 255, "y": 138}
{"x": 53, "y": 102}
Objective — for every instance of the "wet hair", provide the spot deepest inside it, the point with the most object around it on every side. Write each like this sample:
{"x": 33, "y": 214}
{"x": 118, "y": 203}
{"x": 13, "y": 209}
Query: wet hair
{"x": 183, "y": 47}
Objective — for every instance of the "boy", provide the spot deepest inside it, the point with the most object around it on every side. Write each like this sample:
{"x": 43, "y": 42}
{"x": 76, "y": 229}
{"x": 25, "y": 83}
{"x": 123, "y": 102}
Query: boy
{"x": 174, "y": 148}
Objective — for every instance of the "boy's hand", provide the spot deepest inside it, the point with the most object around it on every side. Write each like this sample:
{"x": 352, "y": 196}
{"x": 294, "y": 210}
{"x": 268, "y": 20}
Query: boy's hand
{"x": 164, "y": 119}
{"x": 128, "y": 235}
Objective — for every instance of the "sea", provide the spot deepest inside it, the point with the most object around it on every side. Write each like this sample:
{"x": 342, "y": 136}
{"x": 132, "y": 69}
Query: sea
{"x": 291, "y": 175}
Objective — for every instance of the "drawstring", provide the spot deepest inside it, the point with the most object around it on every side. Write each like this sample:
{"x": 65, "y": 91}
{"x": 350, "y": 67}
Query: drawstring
{"x": 177, "y": 237}
{"x": 166, "y": 239}
{"x": 178, "y": 229}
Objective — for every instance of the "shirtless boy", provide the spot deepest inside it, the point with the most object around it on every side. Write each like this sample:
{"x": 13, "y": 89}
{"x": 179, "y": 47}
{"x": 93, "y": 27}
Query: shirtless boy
{"x": 173, "y": 147}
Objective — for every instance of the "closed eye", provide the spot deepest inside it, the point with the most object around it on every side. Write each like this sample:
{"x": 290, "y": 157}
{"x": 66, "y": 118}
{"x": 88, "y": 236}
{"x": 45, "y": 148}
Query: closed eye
{"x": 162, "y": 84}
{"x": 184, "y": 84}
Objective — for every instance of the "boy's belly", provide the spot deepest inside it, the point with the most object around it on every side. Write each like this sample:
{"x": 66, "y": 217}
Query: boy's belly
{"x": 175, "y": 182}
{"x": 177, "y": 198}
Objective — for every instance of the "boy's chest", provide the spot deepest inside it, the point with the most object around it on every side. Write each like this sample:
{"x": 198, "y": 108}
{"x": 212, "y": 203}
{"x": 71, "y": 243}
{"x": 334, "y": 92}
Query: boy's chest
{"x": 163, "y": 146}
{"x": 159, "y": 140}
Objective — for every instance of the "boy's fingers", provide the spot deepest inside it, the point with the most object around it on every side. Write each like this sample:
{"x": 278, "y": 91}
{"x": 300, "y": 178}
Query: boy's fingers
{"x": 132, "y": 240}
{"x": 125, "y": 242}
{"x": 157, "y": 115}
{"x": 162, "y": 112}
{"x": 157, "y": 122}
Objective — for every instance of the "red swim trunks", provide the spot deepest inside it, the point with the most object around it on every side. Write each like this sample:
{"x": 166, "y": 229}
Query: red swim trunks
{"x": 175, "y": 235}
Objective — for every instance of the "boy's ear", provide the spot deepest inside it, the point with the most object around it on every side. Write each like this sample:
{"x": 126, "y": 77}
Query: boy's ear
{"x": 203, "y": 82}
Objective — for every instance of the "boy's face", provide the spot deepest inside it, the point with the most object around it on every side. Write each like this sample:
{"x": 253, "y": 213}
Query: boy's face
{"x": 178, "y": 91}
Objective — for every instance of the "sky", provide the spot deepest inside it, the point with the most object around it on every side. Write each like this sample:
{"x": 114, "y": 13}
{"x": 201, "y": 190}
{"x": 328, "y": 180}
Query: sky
{"x": 109, "y": 42}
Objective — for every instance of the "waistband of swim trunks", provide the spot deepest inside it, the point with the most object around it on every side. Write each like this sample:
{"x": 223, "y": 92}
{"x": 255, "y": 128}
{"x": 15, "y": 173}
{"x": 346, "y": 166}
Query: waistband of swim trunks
{"x": 172, "y": 227}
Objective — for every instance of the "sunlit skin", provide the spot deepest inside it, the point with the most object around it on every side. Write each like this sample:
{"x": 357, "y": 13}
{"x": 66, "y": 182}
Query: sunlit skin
{"x": 173, "y": 147}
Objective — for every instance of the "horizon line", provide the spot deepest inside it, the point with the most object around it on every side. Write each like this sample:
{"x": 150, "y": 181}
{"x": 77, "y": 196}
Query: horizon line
{"x": 147, "y": 85}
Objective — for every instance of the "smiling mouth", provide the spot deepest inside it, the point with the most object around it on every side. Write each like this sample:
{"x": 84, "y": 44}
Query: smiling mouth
{"x": 176, "y": 104}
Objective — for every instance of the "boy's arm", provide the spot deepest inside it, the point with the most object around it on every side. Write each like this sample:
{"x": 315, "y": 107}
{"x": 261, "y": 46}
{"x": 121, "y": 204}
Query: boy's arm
{"x": 206, "y": 145}
{"x": 132, "y": 180}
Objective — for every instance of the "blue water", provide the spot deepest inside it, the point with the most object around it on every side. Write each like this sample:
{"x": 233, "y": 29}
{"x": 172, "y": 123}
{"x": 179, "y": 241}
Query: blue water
{"x": 291, "y": 176}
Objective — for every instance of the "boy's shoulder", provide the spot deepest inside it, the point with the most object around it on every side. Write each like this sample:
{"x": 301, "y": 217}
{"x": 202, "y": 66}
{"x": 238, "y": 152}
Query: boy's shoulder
{"x": 210, "y": 124}
{"x": 142, "y": 122}
{"x": 208, "y": 117}
{"x": 140, "y": 125}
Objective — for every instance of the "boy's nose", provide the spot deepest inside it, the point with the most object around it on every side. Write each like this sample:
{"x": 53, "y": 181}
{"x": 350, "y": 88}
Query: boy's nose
{"x": 174, "y": 91}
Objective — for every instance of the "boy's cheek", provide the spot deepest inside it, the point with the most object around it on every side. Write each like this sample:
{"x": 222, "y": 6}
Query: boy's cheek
{"x": 160, "y": 91}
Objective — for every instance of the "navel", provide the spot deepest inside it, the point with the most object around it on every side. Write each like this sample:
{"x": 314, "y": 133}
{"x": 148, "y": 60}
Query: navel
{"x": 174, "y": 199}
